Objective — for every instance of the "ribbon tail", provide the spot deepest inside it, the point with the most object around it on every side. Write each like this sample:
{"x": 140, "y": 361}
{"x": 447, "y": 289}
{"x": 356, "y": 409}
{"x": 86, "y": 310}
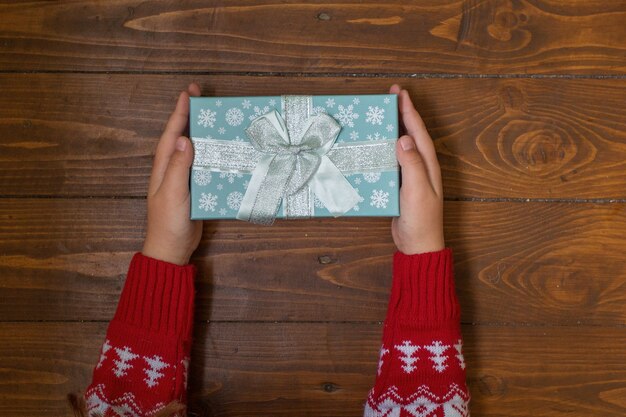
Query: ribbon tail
{"x": 333, "y": 189}
{"x": 262, "y": 199}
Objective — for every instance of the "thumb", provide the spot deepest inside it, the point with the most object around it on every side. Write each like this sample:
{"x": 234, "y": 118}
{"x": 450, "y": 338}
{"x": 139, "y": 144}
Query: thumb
{"x": 414, "y": 174}
{"x": 176, "y": 179}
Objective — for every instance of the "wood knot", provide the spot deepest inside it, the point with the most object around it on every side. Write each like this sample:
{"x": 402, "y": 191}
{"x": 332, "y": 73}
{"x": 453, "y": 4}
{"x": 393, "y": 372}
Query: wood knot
{"x": 491, "y": 386}
{"x": 326, "y": 259}
{"x": 504, "y": 23}
{"x": 570, "y": 291}
{"x": 492, "y": 26}
{"x": 323, "y": 16}
{"x": 330, "y": 387}
{"x": 542, "y": 150}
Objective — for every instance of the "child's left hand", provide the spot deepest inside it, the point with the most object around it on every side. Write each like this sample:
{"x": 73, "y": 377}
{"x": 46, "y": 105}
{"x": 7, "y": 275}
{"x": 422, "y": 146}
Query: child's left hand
{"x": 171, "y": 235}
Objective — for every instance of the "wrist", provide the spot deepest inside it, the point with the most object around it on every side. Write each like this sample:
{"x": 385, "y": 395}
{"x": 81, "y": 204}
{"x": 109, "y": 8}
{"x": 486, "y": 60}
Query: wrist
{"x": 417, "y": 242}
{"x": 421, "y": 247}
{"x": 162, "y": 253}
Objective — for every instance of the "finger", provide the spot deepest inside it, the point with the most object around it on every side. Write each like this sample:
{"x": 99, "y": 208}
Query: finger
{"x": 412, "y": 121}
{"x": 394, "y": 89}
{"x": 178, "y": 119}
{"x": 176, "y": 179}
{"x": 417, "y": 129}
{"x": 174, "y": 128}
{"x": 194, "y": 90}
{"x": 414, "y": 175}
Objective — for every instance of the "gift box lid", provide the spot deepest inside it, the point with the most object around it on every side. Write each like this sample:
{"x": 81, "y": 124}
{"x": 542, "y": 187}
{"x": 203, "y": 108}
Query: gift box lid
{"x": 364, "y": 119}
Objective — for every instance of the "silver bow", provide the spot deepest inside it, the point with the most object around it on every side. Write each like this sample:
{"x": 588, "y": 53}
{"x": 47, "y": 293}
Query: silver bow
{"x": 290, "y": 164}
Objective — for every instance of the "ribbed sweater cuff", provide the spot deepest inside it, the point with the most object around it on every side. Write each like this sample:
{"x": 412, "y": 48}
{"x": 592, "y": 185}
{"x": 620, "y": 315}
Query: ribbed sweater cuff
{"x": 423, "y": 290}
{"x": 158, "y": 297}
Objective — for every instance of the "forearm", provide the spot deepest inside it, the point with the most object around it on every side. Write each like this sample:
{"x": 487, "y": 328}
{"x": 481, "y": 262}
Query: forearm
{"x": 421, "y": 365}
{"x": 144, "y": 359}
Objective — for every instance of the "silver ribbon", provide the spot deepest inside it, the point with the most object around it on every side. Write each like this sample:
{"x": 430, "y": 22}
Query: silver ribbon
{"x": 292, "y": 158}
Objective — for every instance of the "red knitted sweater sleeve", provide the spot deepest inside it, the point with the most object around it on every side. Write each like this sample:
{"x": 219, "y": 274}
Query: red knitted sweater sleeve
{"x": 145, "y": 356}
{"x": 421, "y": 370}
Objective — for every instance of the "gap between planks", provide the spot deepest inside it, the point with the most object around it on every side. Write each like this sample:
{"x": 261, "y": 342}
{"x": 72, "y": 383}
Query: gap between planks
{"x": 332, "y": 74}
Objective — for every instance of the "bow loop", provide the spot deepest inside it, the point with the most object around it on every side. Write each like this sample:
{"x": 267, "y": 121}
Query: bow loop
{"x": 268, "y": 133}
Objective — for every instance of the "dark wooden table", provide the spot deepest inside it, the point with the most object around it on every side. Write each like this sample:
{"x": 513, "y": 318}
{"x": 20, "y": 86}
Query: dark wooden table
{"x": 525, "y": 101}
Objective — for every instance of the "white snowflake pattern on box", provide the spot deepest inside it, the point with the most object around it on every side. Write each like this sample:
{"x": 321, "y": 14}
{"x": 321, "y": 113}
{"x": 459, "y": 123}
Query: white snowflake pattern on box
{"x": 259, "y": 111}
{"x": 379, "y": 198}
{"x": 318, "y": 110}
{"x": 234, "y": 116}
{"x": 207, "y": 118}
{"x": 375, "y": 115}
{"x": 375, "y": 136}
{"x": 208, "y": 202}
{"x": 346, "y": 115}
{"x": 371, "y": 177}
{"x": 230, "y": 176}
{"x": 202, "y": 177}
{"x": 234, "y": 199}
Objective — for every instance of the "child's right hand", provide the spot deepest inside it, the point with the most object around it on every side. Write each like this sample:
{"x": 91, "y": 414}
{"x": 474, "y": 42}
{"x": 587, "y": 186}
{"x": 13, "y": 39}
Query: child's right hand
{"x": 419, "y": 228}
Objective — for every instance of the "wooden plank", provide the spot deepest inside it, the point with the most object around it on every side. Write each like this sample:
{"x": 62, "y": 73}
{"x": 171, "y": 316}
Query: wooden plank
{"x": 515, "y": 263}
{"x": 66, "y": 135}
{"x": 421, "y": 36}
{"x": 326, "y": 369}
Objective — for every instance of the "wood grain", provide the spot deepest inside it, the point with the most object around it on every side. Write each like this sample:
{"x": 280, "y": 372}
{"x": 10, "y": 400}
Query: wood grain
{"x": 525, "y": 102}
{"x": 326, "y": 369}
{"x": 67, "y": 135}
{"x": 66, "y": 259}
{"x": 420, "y": 36}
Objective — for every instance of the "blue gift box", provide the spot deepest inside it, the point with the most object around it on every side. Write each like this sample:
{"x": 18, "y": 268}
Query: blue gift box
{"x": 368, "y": 128}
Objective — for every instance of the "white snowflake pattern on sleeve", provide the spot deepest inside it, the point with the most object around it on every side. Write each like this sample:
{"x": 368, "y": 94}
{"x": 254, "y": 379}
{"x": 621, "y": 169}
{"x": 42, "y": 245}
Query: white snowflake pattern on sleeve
{"x": 122, "y": 365}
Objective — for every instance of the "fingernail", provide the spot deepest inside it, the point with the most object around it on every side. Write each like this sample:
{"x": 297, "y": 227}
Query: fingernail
{"x": 181, "y": 144}
{"x": 407, "y": 143}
